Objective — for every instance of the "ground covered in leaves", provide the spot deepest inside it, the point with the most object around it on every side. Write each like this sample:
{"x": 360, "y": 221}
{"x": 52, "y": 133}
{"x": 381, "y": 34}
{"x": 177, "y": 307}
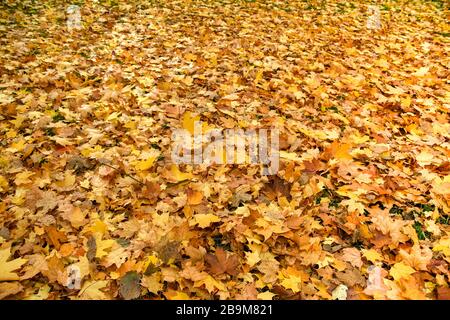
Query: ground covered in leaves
{"x": 92, "y": 206}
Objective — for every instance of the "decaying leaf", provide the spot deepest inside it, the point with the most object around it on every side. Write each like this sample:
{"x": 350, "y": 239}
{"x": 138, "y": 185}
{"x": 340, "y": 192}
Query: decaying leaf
{"x": 130, "y": 285}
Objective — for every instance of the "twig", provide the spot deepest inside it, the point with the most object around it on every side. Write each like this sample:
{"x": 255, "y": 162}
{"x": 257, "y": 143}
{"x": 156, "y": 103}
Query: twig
{"x": 121, "y": 171}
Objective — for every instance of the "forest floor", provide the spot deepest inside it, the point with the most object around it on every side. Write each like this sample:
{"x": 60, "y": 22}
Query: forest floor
{"x": 93, "y": 206}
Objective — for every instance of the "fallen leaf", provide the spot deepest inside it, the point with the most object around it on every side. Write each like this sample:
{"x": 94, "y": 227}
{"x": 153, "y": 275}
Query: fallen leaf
{"x": 221, "y": 262}
{"x": 7, "y": 268}
{"x": 400, "y": 270}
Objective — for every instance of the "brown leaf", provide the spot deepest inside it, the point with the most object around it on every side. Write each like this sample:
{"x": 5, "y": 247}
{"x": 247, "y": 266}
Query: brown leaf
{"x": 9, "y": 288}
{"x": 443, "y": 293}
{"x": 55, "y": 236}
{"x": 129, "y": 287}
{"x": 221, "y": 263}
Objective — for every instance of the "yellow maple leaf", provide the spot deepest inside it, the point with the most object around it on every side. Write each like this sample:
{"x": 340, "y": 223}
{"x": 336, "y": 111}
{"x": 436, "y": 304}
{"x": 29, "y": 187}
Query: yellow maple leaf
{"x": 444, "y": 246}
{"x": 113, "y": 116}
{"x": 149, "y": 160}
{"x": 266, "y": 295}
{"x": 211, "y": 284}
{"x": 102, "y": 246}
{"x": 98, "y": 227}
{"x": 372, "y": 255}
{"x": 405, "y": 102}
{"x": 154, "y": 260}
{"x": 18, "y": 121}
{"x": 176, "y": 295}
{"x": 11, "y": 134}
{"x": 258, "y": 76}
{"x": 145, "y": 164}
{"x": 23, "y": 178}
{"x": 353, "y": 205}
{"x": 292, "y": 282}
{"x": 194, "y": 197}
{"x": 401, "y": 270}
{"x": 68, "y": 182}
{"x": 320, "y": 134}
{"x": 382, "y": 63}
{"x": 176, "y": 175}
{"x": 19, "y": 196}
{"x": 17, "y": 146}
{"x": 152, "y": 283}
{"x": 254, "y": 256}
{"x": 292, "y": 156}
{"x": 343, "y": 152}
{"x": 322, "y": 289}
{"x": 358, "y": 139}
{"x": 7, "y": 267}
{"x": 189, "y": 120}
{"x": 204, "y": 220}
{"x": 91, "y": 290}
{"x": 441, "y": 186}
{"x": 117, "y": 256}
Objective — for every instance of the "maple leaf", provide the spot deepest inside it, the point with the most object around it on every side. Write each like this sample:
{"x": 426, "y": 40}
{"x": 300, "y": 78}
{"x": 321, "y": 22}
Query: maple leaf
{"x": 339, "y": 151}
{"x": 401, "y": 270}
{"x": 129, "y": 286}
{"x": 210, "y": 284}
{"x": 372, "y": 255}
{"x": 9, "y": 288}
{"x": 194, "y": 197}
{"x": 291, "y": 279}
{"x": 443, "y": 245}
{"x": 292, "y": 282}
{"x": 176, "y": 295}
{"x": 266, "y": 295}
{"x": 221, "y": 263}
{"x": 152, "y": 283}
{"x": 36, "y": 264}
{"x": 189, "y": 121}
{"x": 175, "y": 175}
{"x": 76, "y": 217}
{"x": 7, "y": 267}
{"x": 254, "y": 256}
{"x": 353, "y": 256}
{"x": 55, "y": 236}
{"x": 102, "y": 246}
{"x": 117, "y": 256}
{"x": 149, "y": 160}
{"x": 91, "y": 290}
{"x": 204, "y": 220}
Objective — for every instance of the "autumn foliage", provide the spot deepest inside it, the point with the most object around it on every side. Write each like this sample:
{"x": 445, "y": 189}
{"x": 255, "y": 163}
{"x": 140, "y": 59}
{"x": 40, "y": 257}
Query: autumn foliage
{"x": 93, "y": 207}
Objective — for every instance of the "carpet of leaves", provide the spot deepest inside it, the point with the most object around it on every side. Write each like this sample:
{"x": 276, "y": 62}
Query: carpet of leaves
{"x": 92, "y": 207}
